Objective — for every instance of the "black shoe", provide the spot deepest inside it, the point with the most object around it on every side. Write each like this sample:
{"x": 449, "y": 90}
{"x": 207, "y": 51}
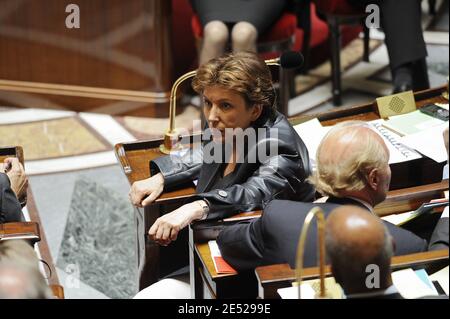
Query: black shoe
{"x": 402, "y": 78}
{"x": 402, "y": 87}
{"x": 420, "y": 75}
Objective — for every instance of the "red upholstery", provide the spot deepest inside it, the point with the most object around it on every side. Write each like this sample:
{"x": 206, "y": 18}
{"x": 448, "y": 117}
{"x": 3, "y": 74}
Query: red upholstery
{"x": 337, "y": 7}
{"x": 319, "y": 33}
{"x": 185, "y": 53}
{"x": 197, "y": 28}
{"x": 284, "y": 28}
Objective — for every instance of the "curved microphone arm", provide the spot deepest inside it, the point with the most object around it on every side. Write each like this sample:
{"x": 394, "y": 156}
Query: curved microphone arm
{"x": 171, "y": 138}
{"x": 318, "y": 213}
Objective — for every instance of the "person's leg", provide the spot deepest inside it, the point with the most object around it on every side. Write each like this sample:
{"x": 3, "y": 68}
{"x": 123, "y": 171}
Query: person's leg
{"x": 171, "y": 288}
{"x": 401, "y": 22}
{"x": 243, "y": 37}
{"x": 215, "y": 38}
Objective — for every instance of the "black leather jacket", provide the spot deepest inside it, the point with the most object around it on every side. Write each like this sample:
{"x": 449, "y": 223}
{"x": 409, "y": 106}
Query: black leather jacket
{"x": 253, "y": 183}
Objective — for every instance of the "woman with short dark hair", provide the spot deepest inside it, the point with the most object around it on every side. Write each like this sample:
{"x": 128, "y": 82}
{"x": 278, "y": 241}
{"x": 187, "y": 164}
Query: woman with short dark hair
{"x": 233, "y": 169}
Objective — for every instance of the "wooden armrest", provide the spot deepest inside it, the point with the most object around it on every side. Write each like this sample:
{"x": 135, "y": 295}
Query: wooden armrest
{"x": 285, "y": 272}
{"x": 408, "y": 199}
{"x": 12, "y": 151}
{"x": 58, "y": 291}
{"x": 22, "y": 230}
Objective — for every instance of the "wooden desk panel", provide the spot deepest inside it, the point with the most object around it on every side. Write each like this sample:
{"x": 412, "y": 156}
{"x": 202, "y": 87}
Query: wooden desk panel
{"x": 409, "y": 199}
{"x": 28, "y": 231}
{"x": 135, "y": 158}
{"x": 58, "y": 291}
{"x": 153, "y": 259}
{"x": 119, "y": 45}
{"x": 273, "y": 277}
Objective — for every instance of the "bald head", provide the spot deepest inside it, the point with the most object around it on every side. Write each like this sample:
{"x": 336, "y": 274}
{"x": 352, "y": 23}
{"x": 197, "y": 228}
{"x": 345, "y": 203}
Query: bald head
{"x": 20, "y": 277}
{"x": 355, "y": 227}
{"x": 356, "y": 239}
{"x": 346, "y": 157}
{"x": 347, "y": 139}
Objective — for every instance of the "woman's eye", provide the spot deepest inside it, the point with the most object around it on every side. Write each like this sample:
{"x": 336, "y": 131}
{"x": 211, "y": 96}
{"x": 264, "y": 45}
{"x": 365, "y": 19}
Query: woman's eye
{"x": 207, "y": 103}
{"x": 226, "y": 106}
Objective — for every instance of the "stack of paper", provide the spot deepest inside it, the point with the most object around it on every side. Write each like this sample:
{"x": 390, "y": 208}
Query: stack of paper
{"x": 310, "y": 289}
{"x": 397, "y": 150}
{"x": 442, "y": 278}
{"x": 398, "y": 219}
{"x": 412, "y": 285}
{"x": 222, "y": 267}
{"x": 307, "y": 292}
{"x": 411, "y": 123}
{"x": 312, "y": 133}
{"x": 429, "y": 142}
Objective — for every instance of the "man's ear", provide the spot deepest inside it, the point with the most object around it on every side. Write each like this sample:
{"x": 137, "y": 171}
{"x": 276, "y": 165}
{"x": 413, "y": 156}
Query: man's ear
{"x": 373, "y": 179}
{"x": 256, "y": 112}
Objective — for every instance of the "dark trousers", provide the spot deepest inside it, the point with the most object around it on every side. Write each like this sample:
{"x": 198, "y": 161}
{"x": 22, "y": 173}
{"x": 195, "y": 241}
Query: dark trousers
{"x": 401, "y": 23}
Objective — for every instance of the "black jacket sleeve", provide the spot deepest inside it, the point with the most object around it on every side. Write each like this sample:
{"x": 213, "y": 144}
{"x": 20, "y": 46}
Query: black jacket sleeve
{"x": 276, "y": 178}
{"x": 10, "y": 210}
{"x": 178, "y": 168}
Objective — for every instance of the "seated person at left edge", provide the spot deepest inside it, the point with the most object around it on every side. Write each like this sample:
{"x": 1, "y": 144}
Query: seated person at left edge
{"x": 237, "y": 93}
{"x": 13, "y": 185}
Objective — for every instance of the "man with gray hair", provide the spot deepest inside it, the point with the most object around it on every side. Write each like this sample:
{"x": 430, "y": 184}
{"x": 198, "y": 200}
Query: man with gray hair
{"x": 20, "y": 277}
{"x": 358, "y": 244}
{"x": 352, "y": 169}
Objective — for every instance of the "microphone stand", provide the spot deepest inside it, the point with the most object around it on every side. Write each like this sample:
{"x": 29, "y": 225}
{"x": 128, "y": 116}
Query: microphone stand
{"x": 172, "y": 138}
{"x": 318, "y": 213}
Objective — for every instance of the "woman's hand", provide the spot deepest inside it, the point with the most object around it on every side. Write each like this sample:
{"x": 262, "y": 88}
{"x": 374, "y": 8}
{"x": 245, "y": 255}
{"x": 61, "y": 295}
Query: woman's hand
{"x": 144, "y": 192}
{"x": 166, "y": 228}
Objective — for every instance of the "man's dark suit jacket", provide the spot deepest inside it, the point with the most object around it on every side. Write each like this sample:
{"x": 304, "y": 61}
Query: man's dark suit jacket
{"x": 10, "y": 210}
{"x": 273, "y": 238}
{"x": 439, "y": 239}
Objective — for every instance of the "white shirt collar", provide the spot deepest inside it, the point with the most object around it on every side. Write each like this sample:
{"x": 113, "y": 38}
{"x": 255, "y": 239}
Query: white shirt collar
{"x": 366, "y": 204}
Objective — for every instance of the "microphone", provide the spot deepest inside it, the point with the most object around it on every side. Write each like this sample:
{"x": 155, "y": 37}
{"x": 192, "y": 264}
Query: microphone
{"x": 288, "y": 60}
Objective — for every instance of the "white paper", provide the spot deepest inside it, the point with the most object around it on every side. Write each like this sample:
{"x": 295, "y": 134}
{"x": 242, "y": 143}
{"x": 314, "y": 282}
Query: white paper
{"x": 312, "y": 133}
{"x": 445, "y": 213}
{"x": 442, "y": 277}
{"x": 397, "y": 219}
{"x": 429, "y": 142}
{"x": 307, "y": 292}
{"x": 409, "y": 285}
{"x": 214, "y": 248}
{"x": 398, "y": 151}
